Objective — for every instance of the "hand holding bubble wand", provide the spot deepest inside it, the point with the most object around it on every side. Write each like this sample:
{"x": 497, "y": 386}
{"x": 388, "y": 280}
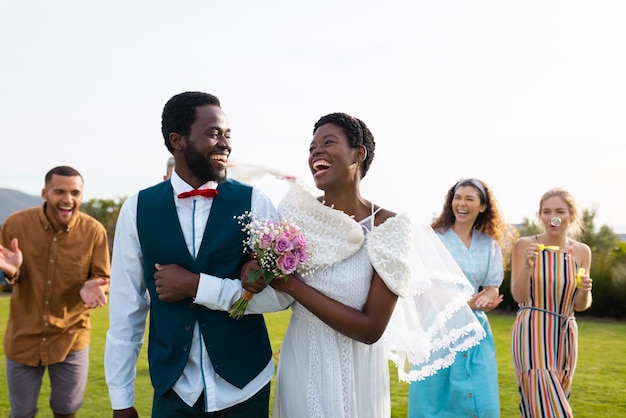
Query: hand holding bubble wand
{"x": 542, "y": 247}
{"x": 556, "y": 221}
{"x": 581, "y": 272}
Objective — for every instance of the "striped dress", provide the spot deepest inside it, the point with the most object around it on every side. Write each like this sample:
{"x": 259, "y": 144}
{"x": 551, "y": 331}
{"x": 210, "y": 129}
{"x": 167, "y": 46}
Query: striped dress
{"x": 544, "y": 339}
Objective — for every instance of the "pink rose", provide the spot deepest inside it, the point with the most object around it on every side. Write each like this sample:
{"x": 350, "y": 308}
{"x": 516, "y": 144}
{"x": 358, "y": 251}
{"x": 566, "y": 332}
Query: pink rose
{"x": 265, "y": 241}
{"x": 299, "y": 241}
{"x": 287, "y": 262}
{"x": 301, "y": 255}
{"x": 283, "y": 244}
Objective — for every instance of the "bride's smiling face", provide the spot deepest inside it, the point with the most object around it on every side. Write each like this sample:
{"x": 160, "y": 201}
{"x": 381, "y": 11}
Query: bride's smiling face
{"x": 331, "y": 159}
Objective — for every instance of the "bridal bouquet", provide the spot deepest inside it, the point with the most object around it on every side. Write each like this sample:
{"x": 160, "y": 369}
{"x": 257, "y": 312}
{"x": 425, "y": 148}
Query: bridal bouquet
{"x": 280, "y": 249}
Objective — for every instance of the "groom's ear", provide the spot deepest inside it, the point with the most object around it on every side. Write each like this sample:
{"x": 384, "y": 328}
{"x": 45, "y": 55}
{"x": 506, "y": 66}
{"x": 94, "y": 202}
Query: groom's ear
{"x": 177, "y": 141}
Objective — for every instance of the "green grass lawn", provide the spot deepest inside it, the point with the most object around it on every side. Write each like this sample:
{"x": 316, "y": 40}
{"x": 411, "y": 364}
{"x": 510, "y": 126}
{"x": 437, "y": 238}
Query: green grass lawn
{"x": 599, "y": 384}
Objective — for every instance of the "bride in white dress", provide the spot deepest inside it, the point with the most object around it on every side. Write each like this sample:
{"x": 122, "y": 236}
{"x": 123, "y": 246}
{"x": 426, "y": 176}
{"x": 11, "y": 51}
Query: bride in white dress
{"x": 333, "y": 361}
{"x": 322, "y": 372}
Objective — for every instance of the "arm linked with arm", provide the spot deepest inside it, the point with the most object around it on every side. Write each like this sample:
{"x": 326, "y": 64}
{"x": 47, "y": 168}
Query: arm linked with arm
{"x": 221, "y": 293}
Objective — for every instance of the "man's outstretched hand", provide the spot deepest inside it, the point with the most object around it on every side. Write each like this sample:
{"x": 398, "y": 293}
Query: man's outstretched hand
{"x": 10, "y": 259}
{"x": 94, "y": 293}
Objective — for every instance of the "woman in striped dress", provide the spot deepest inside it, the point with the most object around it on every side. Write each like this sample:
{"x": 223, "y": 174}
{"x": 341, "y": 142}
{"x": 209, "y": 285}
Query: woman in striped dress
{"x": 546, "y": 283}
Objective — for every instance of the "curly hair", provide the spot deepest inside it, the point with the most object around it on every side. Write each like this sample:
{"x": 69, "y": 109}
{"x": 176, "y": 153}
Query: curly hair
{"x": 490, "y": 222}
{"x": 179, "y": 113}
{"x": 357, "y": 132}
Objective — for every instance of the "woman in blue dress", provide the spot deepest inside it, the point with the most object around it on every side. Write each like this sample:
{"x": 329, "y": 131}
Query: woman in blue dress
{"x": 474, "y": 232}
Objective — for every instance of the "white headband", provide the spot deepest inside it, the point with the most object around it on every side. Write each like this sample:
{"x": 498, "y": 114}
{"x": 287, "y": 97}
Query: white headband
{"x": 474, "y": 183}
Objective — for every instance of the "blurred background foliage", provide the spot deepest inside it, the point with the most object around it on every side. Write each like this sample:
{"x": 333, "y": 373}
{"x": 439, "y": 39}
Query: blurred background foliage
{"x": 608, "y": 266}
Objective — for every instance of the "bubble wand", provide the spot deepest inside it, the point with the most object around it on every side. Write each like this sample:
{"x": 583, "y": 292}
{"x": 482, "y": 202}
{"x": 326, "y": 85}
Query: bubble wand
{"x": 581, "y": 272}
{"x": 542, "y": 247}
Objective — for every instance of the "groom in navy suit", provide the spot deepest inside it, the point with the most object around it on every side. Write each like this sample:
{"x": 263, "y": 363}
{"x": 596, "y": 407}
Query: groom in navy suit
{"x": 180, "y": 241}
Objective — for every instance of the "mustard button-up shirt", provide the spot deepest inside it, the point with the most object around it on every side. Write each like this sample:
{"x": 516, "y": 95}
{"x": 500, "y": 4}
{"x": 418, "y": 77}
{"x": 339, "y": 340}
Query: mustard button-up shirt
{"x": 47, "y": 318}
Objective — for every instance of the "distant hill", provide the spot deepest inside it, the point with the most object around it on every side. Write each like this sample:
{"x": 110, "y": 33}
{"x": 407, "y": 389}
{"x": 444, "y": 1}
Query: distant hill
{"x": 13, "y": 200}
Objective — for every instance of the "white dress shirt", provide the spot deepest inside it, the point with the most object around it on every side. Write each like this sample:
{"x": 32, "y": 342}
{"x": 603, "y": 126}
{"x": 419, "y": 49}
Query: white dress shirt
{"x": 129, "y": 304}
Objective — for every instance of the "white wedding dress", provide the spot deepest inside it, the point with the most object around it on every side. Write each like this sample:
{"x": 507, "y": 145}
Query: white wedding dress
{"x": 324, "y": 374}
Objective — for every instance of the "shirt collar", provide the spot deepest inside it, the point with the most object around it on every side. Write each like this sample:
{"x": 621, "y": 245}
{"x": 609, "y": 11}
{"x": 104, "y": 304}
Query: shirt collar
{"x": 179, "y": 185}
{"x": 47, "y": 225}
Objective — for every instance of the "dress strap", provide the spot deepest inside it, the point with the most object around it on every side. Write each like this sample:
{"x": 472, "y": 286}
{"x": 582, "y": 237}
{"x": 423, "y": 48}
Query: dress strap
{"x": 370, "y": 219}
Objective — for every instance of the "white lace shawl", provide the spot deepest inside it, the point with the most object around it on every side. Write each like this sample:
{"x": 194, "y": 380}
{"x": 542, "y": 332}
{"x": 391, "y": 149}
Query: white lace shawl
{"x": 325, "y": 229}
{"x": 431, "y": 321}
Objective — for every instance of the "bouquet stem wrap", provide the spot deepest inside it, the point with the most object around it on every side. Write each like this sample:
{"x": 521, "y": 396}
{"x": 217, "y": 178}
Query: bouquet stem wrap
{"x": 239, "y": 308}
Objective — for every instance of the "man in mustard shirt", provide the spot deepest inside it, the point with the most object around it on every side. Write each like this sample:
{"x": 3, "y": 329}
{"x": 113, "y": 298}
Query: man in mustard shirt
{"x": 57, "y": 260}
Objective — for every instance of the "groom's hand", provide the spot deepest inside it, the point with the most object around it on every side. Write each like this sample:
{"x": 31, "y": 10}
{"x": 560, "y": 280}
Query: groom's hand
{"x": 174, "y": 283}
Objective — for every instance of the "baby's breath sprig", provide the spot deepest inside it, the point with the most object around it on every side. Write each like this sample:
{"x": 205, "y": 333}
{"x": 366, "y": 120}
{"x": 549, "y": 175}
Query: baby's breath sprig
{"x": 280, "y": 248}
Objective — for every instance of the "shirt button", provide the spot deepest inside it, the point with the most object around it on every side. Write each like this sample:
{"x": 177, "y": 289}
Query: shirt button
{"x": 469, "y": 395}
{"x": 187, "y": 327}
{"x": 51, "y": 261}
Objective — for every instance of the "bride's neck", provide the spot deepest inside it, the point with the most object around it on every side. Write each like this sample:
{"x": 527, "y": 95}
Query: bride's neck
{"x": 350, "y": 204}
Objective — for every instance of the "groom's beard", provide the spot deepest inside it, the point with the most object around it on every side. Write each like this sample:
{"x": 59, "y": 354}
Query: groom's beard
{"x": 200, "y": 165}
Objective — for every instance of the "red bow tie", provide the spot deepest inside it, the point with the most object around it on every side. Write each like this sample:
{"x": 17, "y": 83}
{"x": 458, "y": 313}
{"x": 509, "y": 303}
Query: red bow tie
{"x": 199, "y": 192}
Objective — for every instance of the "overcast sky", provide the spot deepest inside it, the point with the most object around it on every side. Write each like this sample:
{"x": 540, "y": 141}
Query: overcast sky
{"x": 524, "y": 95}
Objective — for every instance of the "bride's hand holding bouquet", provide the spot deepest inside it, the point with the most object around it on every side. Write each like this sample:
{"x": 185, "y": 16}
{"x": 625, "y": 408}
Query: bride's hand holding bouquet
{"x": 278, "y": 248}
{"x": 247, "y": 269}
